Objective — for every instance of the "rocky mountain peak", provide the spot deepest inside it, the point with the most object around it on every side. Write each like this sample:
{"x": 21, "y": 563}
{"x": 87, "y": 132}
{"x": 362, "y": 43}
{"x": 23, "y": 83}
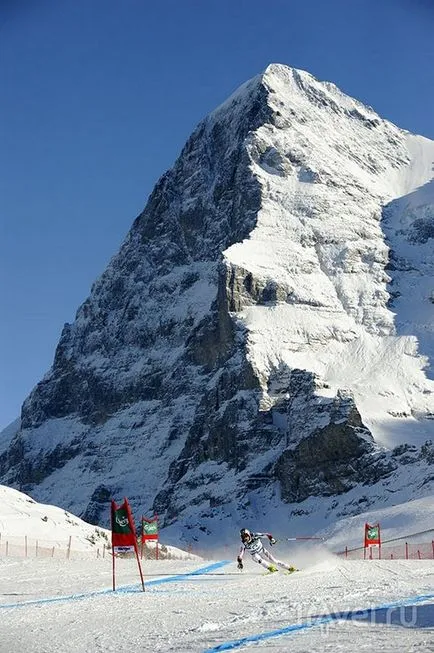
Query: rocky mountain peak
{"x": 261, "y": 338}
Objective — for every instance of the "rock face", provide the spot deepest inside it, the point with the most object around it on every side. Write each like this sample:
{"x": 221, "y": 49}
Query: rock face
{"x": 255, "y": 340}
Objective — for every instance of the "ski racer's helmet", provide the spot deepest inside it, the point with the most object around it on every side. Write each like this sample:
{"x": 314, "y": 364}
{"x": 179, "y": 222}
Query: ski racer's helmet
{"x": 245, "y": 535}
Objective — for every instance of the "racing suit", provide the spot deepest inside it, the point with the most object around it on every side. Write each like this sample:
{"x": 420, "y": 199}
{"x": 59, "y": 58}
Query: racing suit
{"x": 260, "y": 554}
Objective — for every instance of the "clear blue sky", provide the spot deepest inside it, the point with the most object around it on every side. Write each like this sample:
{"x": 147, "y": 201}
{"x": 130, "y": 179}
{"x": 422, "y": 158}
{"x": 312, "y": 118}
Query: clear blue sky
{"x": 98, "y": 97}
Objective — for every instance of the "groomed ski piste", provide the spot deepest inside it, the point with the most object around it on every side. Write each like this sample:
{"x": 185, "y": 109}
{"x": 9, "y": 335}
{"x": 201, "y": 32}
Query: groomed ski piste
{"x": 332, "y": 604}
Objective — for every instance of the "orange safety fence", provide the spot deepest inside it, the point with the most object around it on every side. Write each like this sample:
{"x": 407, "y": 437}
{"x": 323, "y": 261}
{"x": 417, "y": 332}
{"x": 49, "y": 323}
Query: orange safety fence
{"x": 29, "y": 547}
{"x": 407, "y": 547}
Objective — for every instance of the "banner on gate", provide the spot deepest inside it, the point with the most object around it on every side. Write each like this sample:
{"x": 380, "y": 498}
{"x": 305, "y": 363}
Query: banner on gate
{"x": 123, "y": 531}
{"x": 372, "y": 535}
{"x": 150, "y": 528}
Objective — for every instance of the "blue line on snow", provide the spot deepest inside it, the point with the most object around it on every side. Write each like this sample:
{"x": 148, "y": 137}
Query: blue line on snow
{"x": 125, "y": 590}
{"x": 317, "y": 621}
{"x": 172, "y": 579}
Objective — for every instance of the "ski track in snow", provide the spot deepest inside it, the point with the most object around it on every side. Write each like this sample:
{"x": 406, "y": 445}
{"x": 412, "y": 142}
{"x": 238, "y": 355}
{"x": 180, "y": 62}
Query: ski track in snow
{"x": 217, "y": 608}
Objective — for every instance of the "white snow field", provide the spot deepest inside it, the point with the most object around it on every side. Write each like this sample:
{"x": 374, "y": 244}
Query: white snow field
{"x": 60, "y": 605}
{"x": 67, "y": 605}
{"x": 50, "y": 606}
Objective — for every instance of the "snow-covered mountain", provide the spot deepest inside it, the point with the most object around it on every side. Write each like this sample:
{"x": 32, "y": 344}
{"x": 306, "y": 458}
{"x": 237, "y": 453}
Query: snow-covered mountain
{"x": 22, "y": 517}
{"x": 261, "y": 346}
{"x": 24, "y": 521}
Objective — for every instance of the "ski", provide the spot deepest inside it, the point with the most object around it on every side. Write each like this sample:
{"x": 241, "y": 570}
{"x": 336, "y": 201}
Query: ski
{"x": 286, "y": 572}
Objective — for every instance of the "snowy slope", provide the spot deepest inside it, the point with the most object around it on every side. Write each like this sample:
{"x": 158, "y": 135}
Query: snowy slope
{"x": 21, "y": 517}
{"x": 399, "y": 521}
{"x": 203, "y": 612}
{"x": 68, "y": 606}
{"x": 189, "y": 606}
{"x": 320, "y": 236}
{"x": 409, "y": 229}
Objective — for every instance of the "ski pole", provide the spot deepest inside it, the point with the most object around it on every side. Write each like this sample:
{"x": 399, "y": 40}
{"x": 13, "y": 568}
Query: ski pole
{"x": 295, "y": 539}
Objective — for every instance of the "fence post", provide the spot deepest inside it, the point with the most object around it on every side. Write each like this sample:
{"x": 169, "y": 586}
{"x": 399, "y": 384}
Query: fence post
{"x": 406, "y": 550}
{"x": 346, "y": 551}
{"x": 68, "y": 550}
{"x": 7, "y": 548}
{"x": 52, "y": 552}
{"x": 418, "y": 554}
{"x": 25, "y": 545}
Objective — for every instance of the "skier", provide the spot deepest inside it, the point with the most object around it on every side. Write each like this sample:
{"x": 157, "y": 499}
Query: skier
{"x": 252, "y": 542}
